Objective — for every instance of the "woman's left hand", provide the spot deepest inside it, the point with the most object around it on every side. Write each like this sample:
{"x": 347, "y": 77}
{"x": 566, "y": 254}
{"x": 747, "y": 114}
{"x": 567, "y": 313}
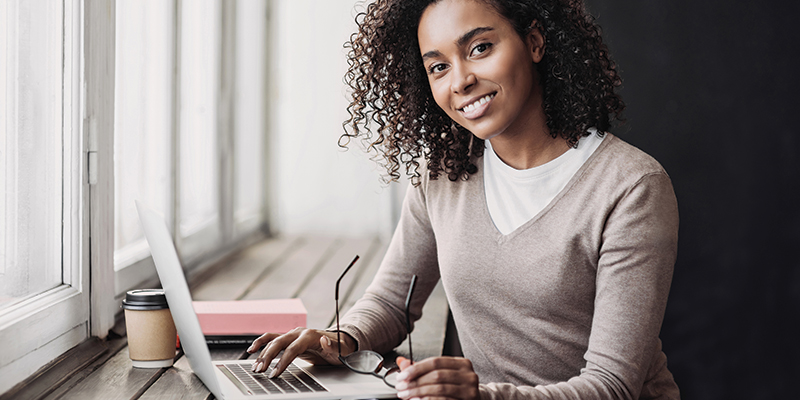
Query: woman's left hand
{"x": 437, "y": 377}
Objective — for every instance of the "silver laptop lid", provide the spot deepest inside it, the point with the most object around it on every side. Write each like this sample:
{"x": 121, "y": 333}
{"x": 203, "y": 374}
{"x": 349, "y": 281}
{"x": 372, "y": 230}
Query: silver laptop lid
{"x": 178, "y": 297}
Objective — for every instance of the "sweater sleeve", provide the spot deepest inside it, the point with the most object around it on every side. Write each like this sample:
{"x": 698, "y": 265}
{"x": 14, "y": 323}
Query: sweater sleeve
{"x": 634, "y": 273}
{"x": 377, "y": 320}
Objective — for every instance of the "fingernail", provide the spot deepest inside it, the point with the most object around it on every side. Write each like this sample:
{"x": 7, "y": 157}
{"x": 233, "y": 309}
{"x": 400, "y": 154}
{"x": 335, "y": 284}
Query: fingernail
{"x": 250, "y": 349}
{"x": 257, "y": 366}
{"x": 329, "y": 341}
{"x": 404, "y": 393}
{"x": 402, "y": 376}
{"x": 401, "y": 386}
{"x": 274, "y": 372}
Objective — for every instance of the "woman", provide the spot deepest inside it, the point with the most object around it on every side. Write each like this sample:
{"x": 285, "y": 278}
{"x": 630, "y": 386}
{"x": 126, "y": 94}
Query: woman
{"x": 555, "y": 241}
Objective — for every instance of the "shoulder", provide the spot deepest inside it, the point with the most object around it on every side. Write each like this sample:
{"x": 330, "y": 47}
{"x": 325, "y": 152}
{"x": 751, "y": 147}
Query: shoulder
{"x": 442, "y": 186}
{"x": 620, "y": 177}
{"x": 445, "y": 200}
{"x": 619, "y": 155}
{"x": 620, "y": 165}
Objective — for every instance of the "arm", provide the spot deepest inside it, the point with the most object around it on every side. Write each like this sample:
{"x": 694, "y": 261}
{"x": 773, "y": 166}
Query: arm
{"x": 377, "y": 320}
{"x": 634, "y": 272}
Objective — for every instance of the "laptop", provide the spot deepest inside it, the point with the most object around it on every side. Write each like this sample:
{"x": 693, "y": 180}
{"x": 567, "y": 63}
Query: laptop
{"x": 234, "y": 379}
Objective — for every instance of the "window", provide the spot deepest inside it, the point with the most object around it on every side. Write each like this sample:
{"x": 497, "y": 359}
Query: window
{"x": 143, "y": 126}
{"x": 249, "y": 120}
{"x": 178, "y": 123}
{"x": 43, "y": 269}
{"x": 199, "y": 155}
{"x": 30, "y": 108}
{"x": 188, "y": 144}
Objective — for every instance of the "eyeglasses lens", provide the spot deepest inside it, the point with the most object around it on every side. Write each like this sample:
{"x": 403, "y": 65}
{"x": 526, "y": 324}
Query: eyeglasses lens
{"x": 364, "y": 361}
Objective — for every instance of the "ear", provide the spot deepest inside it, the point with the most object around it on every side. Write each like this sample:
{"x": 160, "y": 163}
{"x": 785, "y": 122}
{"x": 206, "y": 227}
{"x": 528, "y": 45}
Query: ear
{"x": 536, "y": 42}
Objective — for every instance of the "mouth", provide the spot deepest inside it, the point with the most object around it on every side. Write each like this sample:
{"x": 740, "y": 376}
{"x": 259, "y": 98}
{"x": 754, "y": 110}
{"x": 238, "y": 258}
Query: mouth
{"x": 476, "y": 108}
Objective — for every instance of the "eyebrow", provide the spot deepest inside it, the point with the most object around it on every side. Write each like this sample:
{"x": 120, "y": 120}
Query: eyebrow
{"x": 460, "y": 41}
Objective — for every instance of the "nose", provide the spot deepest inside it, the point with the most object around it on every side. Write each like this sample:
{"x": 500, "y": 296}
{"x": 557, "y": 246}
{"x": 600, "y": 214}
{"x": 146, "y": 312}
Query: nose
{"x": 463, "y": 79}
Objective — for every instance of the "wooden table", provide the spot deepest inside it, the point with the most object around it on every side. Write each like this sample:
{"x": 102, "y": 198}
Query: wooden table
{"x": 298, "y": 267}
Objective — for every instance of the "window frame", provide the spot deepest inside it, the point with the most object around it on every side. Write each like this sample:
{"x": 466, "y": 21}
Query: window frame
{"x": 63, "y": 317}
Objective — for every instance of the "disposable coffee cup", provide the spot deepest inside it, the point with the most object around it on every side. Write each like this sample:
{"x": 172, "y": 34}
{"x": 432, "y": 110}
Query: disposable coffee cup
{"x": 151, "y": 331}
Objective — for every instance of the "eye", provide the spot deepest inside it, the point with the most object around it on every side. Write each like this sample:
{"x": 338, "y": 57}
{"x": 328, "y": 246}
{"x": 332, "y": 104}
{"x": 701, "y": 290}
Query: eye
{"x": 436, "y": 68}
{"x": 480, "y": 48}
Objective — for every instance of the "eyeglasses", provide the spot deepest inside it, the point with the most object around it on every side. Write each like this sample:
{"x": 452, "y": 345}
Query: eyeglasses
{"x": 367, "y": 361}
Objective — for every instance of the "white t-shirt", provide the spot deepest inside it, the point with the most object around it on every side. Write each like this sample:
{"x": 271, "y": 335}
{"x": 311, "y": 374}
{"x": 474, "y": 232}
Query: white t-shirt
{"x": 515, "y": 196}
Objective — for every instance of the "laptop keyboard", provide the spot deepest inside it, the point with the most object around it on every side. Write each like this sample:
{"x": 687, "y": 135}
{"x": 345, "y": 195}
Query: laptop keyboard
{"x": 292, "y": 380}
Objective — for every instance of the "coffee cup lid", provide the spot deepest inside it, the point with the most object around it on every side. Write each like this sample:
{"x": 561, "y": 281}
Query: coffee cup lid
{"x": 145, "y": 299}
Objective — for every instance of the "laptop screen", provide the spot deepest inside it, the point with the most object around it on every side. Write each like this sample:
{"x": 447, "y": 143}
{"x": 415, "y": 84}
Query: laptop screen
{"x": 178, "y": 297}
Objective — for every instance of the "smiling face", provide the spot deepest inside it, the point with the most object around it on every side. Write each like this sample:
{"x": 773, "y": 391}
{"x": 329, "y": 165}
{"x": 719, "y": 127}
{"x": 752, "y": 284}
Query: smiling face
{"x": 481, "y": 72}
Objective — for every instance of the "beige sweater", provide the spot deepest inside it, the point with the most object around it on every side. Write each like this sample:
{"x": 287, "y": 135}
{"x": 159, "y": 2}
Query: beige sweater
{"x": 567, "y": 306}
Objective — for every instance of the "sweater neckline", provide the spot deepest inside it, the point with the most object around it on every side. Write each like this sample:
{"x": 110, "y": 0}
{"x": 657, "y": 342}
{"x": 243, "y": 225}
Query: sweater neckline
{"x": 499, "y": 236}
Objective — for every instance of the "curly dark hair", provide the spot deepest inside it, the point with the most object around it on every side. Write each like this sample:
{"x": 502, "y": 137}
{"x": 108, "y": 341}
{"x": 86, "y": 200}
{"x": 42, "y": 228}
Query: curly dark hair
{"x": 393, "y": 110}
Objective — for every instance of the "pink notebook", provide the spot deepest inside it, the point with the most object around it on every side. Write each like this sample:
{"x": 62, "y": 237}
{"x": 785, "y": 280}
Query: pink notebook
{"x": 249, "y": 317}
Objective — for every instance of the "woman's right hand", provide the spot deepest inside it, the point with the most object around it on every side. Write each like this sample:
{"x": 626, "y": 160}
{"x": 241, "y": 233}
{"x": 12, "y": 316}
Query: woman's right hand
{"x": 312, "y": 345}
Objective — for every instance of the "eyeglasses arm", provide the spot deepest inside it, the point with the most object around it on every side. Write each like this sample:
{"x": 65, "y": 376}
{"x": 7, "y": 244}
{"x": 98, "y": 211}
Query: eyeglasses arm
{"x": 408, "y": 315}
{"x": 336, "y": 295}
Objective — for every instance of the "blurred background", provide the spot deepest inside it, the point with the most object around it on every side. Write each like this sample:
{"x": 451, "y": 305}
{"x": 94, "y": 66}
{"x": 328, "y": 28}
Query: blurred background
{"x": 710, "y": 88}
{"x": 318, "y": 186}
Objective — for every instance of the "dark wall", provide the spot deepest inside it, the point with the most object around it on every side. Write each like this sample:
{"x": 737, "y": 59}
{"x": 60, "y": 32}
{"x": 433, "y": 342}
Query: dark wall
{"x": 711, "y": 89}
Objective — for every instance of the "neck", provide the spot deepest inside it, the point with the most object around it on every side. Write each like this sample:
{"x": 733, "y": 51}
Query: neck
{"x": 529, "y": 149}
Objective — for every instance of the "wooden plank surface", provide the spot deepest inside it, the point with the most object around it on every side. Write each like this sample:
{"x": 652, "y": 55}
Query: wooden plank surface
{"x": 115, "y": 343}
{"x": 177, "y": 382}
{"x": 115, "y": 379}
{"x": 62, "y": 370}
{"x": 287, "y": 278}
{"x": 318, "y": 293}
{"x": 233, "y": 279}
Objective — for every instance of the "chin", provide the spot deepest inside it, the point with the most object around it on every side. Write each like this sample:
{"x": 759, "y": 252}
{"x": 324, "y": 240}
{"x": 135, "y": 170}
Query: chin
{"x": 484, "y": 134}
{"x": 484, "y": 137}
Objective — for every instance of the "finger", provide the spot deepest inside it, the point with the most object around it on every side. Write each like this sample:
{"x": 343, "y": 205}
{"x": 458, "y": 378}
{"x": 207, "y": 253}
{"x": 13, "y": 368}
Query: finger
{"x": 460, "y": 383}
{"x": 420, "y": 368}
{"x": 274, "y": 347}
{"x": 438, "y": 398}
{"x": 402, "y": 362}
{"x": 261, "y": 341}
{"x": 450, "y": 391}
{"x": 342, "y": 339}
{"x": 444, "y": 377}
{"x": 307, "y": 340}
{"x": 461, "y": 386}
{"x": 330, "y": 351}
{"x": 265, "y": 357}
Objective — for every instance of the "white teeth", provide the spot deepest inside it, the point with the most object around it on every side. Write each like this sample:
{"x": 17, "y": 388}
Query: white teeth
{"x": 478, "y": 103}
